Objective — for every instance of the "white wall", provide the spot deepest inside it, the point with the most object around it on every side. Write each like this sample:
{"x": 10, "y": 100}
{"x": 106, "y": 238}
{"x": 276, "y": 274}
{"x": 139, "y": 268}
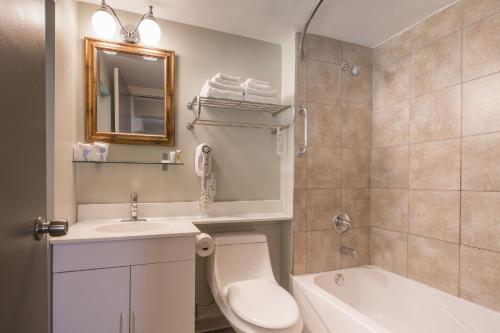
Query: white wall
{"x": 246, "y": 164}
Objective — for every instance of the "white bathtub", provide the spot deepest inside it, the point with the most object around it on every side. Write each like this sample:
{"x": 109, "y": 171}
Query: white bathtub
{"x": 374, "y": 300}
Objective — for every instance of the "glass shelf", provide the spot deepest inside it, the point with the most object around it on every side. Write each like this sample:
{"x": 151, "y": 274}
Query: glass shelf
{"x": 164, "y": 164}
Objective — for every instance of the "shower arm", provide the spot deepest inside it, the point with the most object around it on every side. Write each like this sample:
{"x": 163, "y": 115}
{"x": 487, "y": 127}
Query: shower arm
{"x": 307, "y": 26}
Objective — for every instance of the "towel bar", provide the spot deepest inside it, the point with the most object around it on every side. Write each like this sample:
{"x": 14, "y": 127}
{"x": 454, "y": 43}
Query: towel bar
{"x": 219, "y": 103}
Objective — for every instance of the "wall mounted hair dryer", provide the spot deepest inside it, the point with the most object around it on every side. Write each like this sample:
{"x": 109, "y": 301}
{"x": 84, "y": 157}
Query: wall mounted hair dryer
{"x": 203, "y": 168}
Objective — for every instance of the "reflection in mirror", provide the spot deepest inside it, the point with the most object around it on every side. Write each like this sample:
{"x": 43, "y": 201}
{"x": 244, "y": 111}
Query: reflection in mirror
{"x": 130, "y": 93}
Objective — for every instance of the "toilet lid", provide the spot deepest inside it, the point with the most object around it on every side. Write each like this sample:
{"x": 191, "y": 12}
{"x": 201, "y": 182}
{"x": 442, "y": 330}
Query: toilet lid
{"x": 263, "y": 303}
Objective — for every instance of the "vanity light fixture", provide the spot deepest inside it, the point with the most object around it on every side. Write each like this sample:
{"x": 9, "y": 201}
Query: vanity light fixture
{"x": 147, "y": 30}
{"x": 149, "y": 58}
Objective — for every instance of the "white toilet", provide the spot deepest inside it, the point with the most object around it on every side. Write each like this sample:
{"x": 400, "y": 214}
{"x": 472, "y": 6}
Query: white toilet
{"x": 241, "y": 279}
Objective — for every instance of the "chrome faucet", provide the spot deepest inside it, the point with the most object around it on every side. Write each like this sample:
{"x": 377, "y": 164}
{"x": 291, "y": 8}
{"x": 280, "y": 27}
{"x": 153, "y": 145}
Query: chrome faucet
{"x": 348, "y": 251}
{"x": 134, "y": 211}
{"x": 133, "y": 206}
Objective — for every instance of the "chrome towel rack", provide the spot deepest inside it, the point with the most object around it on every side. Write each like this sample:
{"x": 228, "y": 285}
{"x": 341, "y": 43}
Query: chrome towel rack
{"x": 198, "y": 103}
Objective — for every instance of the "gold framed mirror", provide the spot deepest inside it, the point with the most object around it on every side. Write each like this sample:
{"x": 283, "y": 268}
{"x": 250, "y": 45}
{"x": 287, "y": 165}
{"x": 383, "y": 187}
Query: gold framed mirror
{"x": 130, "y": 93}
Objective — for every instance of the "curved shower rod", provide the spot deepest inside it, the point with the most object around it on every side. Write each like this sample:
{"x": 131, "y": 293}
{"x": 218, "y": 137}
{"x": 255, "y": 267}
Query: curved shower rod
{"x": 307, "y": 26}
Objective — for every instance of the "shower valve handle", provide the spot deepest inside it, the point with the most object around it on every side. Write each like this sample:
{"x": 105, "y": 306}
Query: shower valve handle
{"x": 341, "y": 223}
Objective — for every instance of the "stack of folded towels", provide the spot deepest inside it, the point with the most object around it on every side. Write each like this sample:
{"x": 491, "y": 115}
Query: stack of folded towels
{"x": 259, "y": 91}
{"x": 230, "y": 87}
{"x": 223, "y": 86}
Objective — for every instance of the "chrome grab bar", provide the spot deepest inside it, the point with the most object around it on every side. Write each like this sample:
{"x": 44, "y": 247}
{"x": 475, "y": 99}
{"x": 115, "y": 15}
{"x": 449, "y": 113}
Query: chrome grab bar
{"x": 303, "y": 150}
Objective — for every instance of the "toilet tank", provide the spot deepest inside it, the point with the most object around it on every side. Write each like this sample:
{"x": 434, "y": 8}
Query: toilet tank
{"x": 239, "y": 256}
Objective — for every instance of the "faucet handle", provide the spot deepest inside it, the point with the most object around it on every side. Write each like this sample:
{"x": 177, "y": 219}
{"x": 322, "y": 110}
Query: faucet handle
{"x": 134, "y": 197}
{"x": 341, "y": 223}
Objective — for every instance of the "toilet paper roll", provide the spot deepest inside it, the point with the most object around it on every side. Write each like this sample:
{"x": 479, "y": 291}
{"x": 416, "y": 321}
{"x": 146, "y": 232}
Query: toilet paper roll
{"x": 205, "y": 245}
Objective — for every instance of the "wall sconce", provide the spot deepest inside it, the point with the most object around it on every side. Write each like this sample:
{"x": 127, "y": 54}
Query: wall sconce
{"x": 147, "y": 30}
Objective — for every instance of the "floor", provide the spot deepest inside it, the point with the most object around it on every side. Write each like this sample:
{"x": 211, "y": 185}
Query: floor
{"x": 224, "y": 330}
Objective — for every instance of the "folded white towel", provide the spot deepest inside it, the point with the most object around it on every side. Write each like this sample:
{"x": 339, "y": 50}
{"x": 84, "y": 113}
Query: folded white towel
{"x": 228, "y": 77}
{"x": 266, "y": 83}
{"x": 83, "y": 152}
{"x": 100, "y": 151}
{"x": 261, "y": 99}
{"x": 258, "y": 86}
{"x": 208, "y": 91}
{"x": 226, "y": 82}
{"x": 221, "y": 86}
{"x": 270, "y": 93}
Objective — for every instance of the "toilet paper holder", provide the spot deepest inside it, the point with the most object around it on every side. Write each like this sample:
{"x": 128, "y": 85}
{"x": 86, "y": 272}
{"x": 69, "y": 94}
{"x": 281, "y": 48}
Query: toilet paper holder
{"x": 205, "y": 245}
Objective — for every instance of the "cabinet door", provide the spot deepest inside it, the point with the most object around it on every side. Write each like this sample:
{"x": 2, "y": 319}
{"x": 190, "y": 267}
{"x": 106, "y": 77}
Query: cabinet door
{"x": 162, "y": 298}
{"x": 94, "y": 301}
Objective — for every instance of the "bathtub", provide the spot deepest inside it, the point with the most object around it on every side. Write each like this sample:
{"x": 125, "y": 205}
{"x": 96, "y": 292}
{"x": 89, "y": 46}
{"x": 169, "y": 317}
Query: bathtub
{"x": 371, "y": 299}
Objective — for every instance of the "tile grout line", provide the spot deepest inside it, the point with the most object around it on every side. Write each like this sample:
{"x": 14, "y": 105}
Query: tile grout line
{"x": 306, "y": 157}
{"x": 438, "y": 140}
{"x": 410, "y": 102}
{"x": 342, "y": 143}
{"x": 459, "y": 280}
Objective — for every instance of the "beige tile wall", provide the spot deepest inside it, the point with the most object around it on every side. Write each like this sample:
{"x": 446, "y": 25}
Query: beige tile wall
{"x": 435, "y": 173}
{"x": 334, "y": 174}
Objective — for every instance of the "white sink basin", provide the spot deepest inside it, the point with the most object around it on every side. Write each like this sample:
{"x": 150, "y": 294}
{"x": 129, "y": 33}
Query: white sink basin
{"x": 130, "y": 227}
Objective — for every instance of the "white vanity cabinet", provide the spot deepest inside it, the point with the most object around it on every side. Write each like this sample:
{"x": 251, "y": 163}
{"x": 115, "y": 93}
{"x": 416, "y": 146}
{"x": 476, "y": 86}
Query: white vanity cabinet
{"x": 125, "y": 286}
{"x": 91, "y": 301}
{"x": 162, "y": 297}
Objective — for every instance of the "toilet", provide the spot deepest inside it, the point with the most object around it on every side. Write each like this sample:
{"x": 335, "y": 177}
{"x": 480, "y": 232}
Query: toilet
{"x": 241, "y": 279}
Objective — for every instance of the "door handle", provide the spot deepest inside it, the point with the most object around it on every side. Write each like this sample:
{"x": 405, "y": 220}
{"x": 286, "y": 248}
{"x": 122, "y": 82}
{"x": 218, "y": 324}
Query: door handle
{"x": 55, "y": 228}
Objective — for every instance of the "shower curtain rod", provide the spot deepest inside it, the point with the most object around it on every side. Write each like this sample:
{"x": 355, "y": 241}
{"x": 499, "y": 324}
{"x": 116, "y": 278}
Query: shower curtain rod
{"x": 307, "y": 26}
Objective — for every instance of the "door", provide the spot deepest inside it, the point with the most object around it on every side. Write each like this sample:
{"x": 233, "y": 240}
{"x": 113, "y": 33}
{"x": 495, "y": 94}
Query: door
{"x": 24, "y": 276}
{"x": 162, "y": 298}
{"x": 93, "y": 301}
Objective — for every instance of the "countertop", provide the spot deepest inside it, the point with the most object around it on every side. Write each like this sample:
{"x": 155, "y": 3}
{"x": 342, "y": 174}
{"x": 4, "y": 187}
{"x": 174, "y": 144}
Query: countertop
{"x": 85, "y": 231}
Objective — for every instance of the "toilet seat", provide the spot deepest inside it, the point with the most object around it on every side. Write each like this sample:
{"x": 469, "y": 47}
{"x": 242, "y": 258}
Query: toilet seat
{"x": 263, "y": 303}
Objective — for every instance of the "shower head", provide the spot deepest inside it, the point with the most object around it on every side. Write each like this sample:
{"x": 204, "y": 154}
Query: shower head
{"x": 354, "y": 70}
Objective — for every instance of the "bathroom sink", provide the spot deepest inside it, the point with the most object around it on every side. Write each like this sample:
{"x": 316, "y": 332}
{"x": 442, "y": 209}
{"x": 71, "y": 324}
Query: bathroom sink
{"x": 130, "y": 227}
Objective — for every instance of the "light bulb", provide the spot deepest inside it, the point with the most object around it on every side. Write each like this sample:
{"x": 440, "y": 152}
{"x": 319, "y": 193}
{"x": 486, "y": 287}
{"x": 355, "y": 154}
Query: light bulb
{"x": 149, "y": 31}
{"x": 104, "y": 23}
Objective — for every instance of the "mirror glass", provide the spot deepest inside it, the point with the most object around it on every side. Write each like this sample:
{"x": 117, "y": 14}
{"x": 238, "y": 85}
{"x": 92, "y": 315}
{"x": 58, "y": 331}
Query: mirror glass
{"x": 130, "y": 93}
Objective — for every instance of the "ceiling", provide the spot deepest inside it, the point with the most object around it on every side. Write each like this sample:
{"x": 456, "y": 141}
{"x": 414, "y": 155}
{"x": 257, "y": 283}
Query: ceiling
{"x": 364, "y": 22}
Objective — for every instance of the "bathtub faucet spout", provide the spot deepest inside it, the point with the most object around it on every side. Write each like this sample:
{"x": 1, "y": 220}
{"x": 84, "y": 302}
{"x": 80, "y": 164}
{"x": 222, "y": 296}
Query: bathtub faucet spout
{"x": 348, "y": 251}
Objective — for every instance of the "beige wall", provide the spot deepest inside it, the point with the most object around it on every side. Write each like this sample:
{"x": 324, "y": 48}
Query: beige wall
{"x": 246, "y": 164}
{"x": 334, "y": 174}
{"x": 65, "y": 109}
{"x": 436, "y": 152}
